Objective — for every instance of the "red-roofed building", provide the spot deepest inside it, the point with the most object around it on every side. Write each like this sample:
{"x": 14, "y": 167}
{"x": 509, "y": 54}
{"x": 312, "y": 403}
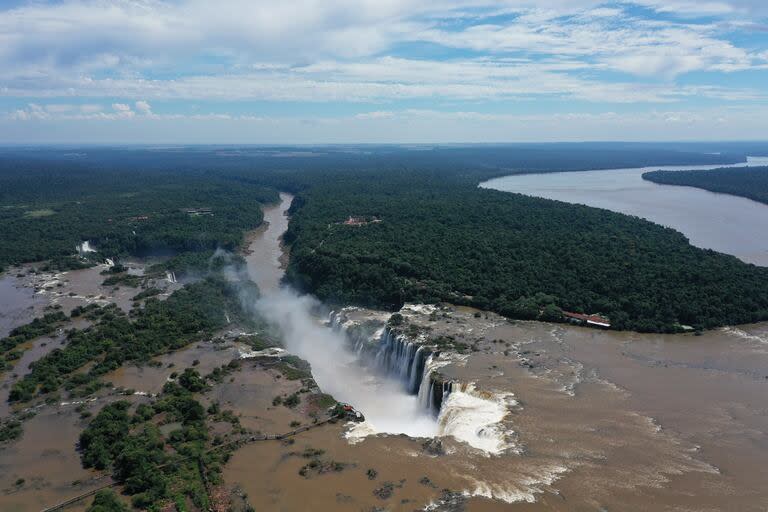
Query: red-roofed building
{"x": 589, "y": 320}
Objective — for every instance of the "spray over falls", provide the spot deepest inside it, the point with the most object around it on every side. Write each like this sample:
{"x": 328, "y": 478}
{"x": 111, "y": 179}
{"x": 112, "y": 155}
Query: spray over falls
{"x": 337, "y": 370}
{"x": 458, "y": 409}
{"x": 391, "y": 378}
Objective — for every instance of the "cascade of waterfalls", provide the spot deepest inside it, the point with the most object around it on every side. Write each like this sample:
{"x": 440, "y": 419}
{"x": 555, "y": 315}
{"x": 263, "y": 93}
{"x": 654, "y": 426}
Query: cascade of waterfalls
{"x": 395, "y": 355}
{"x": 401, "y": 358}
{"x": 460, "y": 410}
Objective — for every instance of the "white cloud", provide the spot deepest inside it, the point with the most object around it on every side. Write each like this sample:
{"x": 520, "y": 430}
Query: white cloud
{"x": 387, "y": 80}
{"x": 140, "y": 53}
{"x": 143, "y": 107}
{"x": 619, "y": 42}
{"x": 120, "y": 35}
{"x": 55, "y": 108}
{"x": 90, "y": 108}
{"x": 121, "y": 111}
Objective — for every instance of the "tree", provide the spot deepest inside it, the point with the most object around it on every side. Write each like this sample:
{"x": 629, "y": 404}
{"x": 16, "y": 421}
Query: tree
{"x": 107, "y": 501}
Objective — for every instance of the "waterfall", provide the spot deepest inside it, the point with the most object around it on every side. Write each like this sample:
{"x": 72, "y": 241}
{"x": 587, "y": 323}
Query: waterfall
{"x": 404, "y": 360}
{"x": 356, "y": 338}
{"x": 412, "y": 364}
{"x": 84, "y": 248}
{"x": 459, "y": 409}
{"x": 170, "y": 276}
{"x": 415, "y": 365}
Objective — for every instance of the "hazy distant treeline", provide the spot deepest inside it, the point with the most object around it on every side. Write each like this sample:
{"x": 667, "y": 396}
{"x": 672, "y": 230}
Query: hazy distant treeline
{"x": 749, "y": 182}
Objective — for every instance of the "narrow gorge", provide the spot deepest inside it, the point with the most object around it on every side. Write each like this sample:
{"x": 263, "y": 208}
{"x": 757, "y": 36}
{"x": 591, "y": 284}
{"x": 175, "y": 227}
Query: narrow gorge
{"x": 362, "y": 358}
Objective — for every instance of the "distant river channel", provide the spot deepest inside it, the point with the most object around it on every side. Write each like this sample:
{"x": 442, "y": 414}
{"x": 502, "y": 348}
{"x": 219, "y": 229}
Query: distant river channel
{"x": 724, "y": 223}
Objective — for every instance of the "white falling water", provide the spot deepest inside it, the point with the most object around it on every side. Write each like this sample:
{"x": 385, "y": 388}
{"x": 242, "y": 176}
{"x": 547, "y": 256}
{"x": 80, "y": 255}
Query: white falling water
{"x": 400, "y": 358}
{"x": 470, "y": 416}
{"x": 84, "y": 248}
{"x": 387, "y": 407}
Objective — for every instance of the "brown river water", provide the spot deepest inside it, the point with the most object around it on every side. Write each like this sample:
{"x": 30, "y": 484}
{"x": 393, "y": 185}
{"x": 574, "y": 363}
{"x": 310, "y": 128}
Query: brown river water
{"x": 46, "y": 457}
{"x": 593, "y": 420}
{"x": 601, "y": 421}
{"x": 721, "y": 222}
{"x": 17, "y": 303}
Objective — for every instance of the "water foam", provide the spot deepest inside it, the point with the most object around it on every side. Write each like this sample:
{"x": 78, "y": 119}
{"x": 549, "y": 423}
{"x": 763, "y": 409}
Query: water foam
{"x": 739, "y": 333}
{"x": 524, "y": 489}
{"x": 468, "y": 415}
{"x": 476, "y": 418}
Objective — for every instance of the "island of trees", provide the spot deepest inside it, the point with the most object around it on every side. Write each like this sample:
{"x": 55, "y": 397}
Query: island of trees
{"x": 749, "y": 182}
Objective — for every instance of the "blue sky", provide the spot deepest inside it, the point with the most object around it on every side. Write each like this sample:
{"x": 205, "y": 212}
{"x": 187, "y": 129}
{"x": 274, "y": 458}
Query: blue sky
{"x": 335, "y": 71}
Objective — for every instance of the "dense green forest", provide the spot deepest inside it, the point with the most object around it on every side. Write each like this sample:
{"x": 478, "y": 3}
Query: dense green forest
{"x": 157, "y": 327}
{"x": 749, "y": 182}
{"x": 45, "y": 211}
{"x": 440, "y": 237}
{"x": 153, "y": 468}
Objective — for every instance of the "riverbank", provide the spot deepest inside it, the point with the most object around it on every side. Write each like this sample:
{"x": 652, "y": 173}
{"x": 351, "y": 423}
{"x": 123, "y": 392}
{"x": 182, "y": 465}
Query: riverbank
{"x": 592, "y": 419}
{"x": 719, "y": 222}
{"x": 751, "y": 183}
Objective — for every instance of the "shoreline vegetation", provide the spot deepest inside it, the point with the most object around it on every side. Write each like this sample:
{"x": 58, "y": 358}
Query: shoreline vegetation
{"x": 748, "y": 182}
{"x": 391, "y": 231}
{"x": 150, "y": 329}
{"x": 119, "y": 213}
{"x": 436, "y": 235}
{"x": 443, "y": 239}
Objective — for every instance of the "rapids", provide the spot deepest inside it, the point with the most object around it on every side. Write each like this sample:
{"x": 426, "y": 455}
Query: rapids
{"x": 460, "y": 410}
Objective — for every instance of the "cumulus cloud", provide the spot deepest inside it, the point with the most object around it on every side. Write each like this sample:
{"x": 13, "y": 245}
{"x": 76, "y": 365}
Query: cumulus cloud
{"x": 143, "y": 107}
{"x": 90, "y": 108}
{"x": 121, "y": 111}
{"x": 97, "y": 34}
{"x": 142, "y": 54}
{"x": 388, "y": 79}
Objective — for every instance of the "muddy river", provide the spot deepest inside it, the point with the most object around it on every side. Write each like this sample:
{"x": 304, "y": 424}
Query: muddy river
{"x": 721, "y": 222}
{"x": 266, "y": 256}
{"x": 539, "y": 416}
{"x": 17, "y": 303}
{"x": 45, "y": 458}
{"x": 591, "y": 420}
